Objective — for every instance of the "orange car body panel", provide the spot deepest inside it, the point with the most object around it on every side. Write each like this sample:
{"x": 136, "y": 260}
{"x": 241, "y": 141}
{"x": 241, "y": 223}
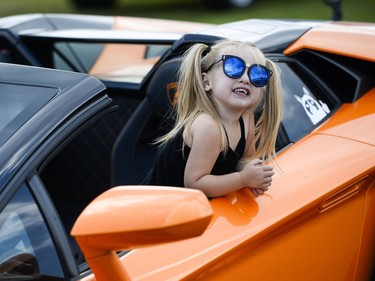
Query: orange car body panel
{"x": 340, "y": 38}
{"x": 267, "y": 238}
{"x": 319, "y": 209}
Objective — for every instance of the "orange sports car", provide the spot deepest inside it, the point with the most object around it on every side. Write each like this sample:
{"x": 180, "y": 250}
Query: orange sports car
{"x": 75, "y": 148}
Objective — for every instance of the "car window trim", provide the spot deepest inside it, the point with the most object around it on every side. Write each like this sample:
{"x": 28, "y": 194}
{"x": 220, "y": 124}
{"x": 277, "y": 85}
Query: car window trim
{"x": 107, "y": 36}
{"x": 54, "y": 224}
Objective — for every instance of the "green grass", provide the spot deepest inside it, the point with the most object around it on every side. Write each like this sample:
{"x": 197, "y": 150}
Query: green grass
{"x": 195, "y": 10}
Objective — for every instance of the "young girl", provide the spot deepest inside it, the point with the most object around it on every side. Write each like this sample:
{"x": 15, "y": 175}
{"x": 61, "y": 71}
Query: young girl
{"x": 215, "y": 145}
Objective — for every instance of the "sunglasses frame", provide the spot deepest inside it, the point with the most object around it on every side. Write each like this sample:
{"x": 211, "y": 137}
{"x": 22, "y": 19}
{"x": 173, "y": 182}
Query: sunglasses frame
{"x": 224, "y": 58}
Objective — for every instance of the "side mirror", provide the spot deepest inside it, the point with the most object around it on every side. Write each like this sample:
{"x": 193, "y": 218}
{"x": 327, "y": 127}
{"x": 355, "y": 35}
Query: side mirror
{"x": 129, "y": 217}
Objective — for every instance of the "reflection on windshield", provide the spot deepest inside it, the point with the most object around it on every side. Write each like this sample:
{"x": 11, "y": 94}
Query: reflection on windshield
{"x": 26, "y": 247}
{"x": 17, "y": 104}
{"x": 12, "y": 231}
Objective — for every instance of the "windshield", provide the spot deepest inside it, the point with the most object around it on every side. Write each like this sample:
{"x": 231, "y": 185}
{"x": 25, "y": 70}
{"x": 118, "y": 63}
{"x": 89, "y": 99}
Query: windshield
{"x": 111, "y": 62}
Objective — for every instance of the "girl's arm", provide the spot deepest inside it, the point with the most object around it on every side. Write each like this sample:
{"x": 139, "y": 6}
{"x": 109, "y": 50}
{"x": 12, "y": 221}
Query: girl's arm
{"x": 204, "y": 140}
{"x": 250, "y": 153}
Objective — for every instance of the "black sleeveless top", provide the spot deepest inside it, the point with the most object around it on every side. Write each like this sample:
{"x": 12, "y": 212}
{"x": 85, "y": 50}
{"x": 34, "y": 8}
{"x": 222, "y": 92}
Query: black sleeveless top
{"x": 169, "y": 166}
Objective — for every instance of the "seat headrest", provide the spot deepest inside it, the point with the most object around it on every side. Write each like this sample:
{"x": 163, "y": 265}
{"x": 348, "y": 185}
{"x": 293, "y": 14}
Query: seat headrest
{"x": 162, "y": 90}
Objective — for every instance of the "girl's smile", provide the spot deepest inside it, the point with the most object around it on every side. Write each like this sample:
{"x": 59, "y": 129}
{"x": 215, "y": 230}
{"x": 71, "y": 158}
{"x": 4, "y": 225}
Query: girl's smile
{"x": 241, "y": 91}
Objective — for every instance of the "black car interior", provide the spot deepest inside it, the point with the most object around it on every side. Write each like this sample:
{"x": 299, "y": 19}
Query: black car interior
{"x": 133, "y": 152}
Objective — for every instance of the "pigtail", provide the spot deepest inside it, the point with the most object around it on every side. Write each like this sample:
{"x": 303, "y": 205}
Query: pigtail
{"x": 190, "y": 81}
{"x": 267, "y": 127}
{"x": 192, "y": 98}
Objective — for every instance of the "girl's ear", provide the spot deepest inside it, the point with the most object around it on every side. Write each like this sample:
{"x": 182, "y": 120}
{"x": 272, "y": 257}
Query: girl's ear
{"x": 206, "y": 82}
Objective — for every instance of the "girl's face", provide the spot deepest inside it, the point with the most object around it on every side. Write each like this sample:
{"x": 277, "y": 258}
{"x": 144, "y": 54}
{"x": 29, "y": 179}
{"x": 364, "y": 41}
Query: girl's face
{"x": 230, "y": 94}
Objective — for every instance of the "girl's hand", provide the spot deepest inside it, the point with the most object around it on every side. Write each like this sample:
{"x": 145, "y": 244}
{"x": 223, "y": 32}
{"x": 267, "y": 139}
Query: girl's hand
{"x": 257, "y": 176}
{"x": 258, "y": 191}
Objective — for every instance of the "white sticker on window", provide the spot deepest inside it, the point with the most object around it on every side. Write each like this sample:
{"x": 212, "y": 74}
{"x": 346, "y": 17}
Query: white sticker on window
{"x": 315, "y": 110}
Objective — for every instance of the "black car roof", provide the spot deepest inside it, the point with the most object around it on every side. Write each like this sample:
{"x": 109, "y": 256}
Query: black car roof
{"x": 66, "y": 93}
{"x": 43, "y": 77}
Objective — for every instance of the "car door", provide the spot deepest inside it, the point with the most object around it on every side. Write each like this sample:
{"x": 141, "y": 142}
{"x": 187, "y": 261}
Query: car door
{"x": 39, "y": 206}
{"x": 39, "y": 118}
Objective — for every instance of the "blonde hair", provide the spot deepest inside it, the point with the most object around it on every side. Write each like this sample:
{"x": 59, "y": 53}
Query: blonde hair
{"x": 193, "y": 99}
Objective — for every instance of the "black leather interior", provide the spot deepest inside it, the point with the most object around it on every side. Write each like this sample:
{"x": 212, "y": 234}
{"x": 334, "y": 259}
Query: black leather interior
{"x": 134, "y": 152}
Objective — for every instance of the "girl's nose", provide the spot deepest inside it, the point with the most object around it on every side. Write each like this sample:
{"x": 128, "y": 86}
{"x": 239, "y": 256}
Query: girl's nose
{"x": 245, "y": 77}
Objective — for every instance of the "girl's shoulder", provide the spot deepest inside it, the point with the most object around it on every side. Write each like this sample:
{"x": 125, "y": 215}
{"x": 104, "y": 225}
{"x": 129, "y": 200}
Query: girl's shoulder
{"x": 206, "y": 118}
{"x": 204, "y": 127}
{"x": 204, "y": 121}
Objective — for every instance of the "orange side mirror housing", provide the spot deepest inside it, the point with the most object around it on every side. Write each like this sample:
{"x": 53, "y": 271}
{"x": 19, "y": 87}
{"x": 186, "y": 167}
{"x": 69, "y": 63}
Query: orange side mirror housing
{"x": 127, "y": 217}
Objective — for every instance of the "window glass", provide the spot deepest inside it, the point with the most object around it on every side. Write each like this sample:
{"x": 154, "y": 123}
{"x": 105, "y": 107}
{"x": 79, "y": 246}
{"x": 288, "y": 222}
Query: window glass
{"x": 26, "y": 247}
{"x": 303, "y": 109}
{"x": 8, "y": 50}
{"x": 5, "y": 55}
{"x": 111, "y": 62}
{"x": 76, "y": 56}
{"x": 17, "y": 104}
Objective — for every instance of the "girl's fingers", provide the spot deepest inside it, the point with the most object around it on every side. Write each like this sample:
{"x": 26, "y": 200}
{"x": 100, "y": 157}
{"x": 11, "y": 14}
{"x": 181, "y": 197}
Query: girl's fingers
{"x": 255, "y": 192}
{"x": 257, "y": 162}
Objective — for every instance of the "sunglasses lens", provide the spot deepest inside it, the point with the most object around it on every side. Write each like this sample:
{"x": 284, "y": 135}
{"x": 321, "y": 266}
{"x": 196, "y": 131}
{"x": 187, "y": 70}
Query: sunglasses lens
{"x": 259, "y": 76}
{"x": 233, "y": 67}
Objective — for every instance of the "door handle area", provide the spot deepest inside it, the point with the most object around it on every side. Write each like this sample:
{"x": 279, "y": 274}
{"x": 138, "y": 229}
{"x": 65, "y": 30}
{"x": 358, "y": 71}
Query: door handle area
{"x": 342, "y": 195}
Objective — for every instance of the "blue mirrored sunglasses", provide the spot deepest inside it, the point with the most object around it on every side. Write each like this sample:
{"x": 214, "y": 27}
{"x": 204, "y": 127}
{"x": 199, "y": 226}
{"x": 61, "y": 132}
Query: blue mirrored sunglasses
{"x": 234, "y": 67}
